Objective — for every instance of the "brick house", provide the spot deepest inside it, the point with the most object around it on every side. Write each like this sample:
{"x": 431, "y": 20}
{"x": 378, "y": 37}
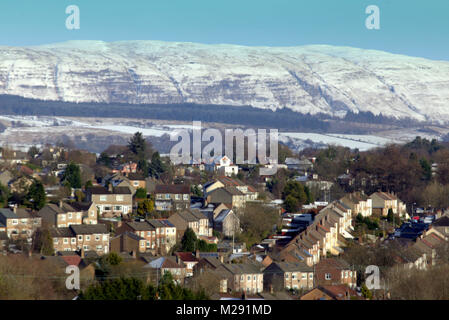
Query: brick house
{"x": 188, "y": 259}
{"x": 206, "y": 263}
{"x": 333, "y": 271}
{"x": 19, "y": 222}
{"x": 86, "y": 237}
{"x": 279, "y": 276}
{"x": 243, "y": 277}
{"x": 111, "y": 201}
{"x": 172, "y": 197}
{"x": 159, "y": 234}
{"x": 128, "y": 242}
{"x": 332, "y": 292}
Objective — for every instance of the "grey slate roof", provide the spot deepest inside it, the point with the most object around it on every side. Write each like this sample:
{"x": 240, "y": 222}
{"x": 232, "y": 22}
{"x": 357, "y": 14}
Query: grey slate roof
{"x": 89, "y": 228}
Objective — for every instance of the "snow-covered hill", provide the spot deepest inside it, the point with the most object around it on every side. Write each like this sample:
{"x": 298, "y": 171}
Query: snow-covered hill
{"x": 308, "y": 79}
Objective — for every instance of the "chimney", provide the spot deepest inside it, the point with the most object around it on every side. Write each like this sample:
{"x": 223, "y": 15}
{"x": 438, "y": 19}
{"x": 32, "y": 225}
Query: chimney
{"x": 134, "y": 254}
{"x": 60, "y": 203}
{"x": 271, "y": 289}
{"x": 221, "y": 258}
{"x": 82, "y": 253}
{"x": 14, "y": 209}
{"x": 197, "y": 253}
{"x": 110, "y": 188}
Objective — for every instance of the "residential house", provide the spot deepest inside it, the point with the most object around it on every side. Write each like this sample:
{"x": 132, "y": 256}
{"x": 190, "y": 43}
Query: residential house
{"x": 240, "y": 277}
{"x": 111, "y": 201}
{"x": 19, "y": 222}
{"x": 359, "y": 204}
{"x": 230, "y": 196}
{"x": 384, "y": 201}
{"x": 334, "y": 271}
{"x": 60, "y": 216}
{"x": 159, "y": 266}
{"x": 429, "y": 244}
{"x": 331, "y": 292}
{"x": 128, "y": 242}
{"x": 86, "y": 237}
{"x": 222, "y": 182}
{"x": 159, "y": 234}
{"x": 193, "y": 219}
{"x": 227, "y": 223}
{"x": 172, "y": 197}
{"x": 279, "y": 276}
{"x": 126, "y": 168}
{"x": 89, "y": 210}
{"x": 222, "y": 165}
{"x": 206, "y": 263}
{"x": 188, "y": 259}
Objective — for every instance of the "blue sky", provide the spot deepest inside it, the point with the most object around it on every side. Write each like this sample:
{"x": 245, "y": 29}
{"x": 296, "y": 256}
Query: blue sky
{"x": 416, "y": 28}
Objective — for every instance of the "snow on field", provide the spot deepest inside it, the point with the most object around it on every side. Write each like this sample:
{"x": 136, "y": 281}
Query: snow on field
{"x": 44, "y": 126}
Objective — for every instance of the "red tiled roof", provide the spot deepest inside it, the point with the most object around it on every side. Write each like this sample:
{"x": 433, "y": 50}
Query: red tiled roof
{"x": 186, "y": 256}
{"x": 72, "y": 260}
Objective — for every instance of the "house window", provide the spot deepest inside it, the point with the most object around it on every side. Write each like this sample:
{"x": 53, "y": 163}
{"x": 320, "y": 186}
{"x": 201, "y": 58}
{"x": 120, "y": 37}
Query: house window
{"x": 86, "y": 247}
{"x": 62, "y": 217}
{"x": 178, "y": 197}
{"x": 185, "y": 197}
{"x": 167, "y": 196}
{"x": 293, "y": 276}
{"x": 105, "y": 237}
{"x": 87, "y": 238}
{"x": 97, "y": 238}
{"x": 24, "y": 221}
{"x": 55, "y": 240}
{"x": 66, "y": 241}
{"x": 119, "y": 198}
{"x": 103, "y": 198}
{"x": 304, "y": 276}
{"x": 117, "y": 208}
{"x": 80, "y": 238}
{"x": 286, "y": 276}
{"x": 327, "y": 276}
{"x": 69, "y": 216}
{"x": 99, "y": 247}
{"x": 73, "y": 240}
{"x": 78, "y": 215}
{"x": 136, "y": 183}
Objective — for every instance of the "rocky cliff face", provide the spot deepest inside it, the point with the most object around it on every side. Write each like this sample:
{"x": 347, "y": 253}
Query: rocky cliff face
{"x": 309, "y": 79}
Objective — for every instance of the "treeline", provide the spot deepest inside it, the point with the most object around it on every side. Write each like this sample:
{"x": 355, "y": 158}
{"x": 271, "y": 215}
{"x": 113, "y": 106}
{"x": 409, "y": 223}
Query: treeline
{"x": 242, "y": 115}
{"x": 417, "y": 171}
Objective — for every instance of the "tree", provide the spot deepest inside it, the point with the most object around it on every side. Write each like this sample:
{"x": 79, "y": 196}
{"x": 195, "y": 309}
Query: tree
{"x": 188, "y": 241}
{"x": 44, "y": 242}
{"x": 141, "y": 193}
{"x": 72, "y": 175}
{"x": 36, "y": 195}
{"x": 145, "y": 206}
{"x": 33, "y": 151}
{"x": 4, "y": 195}
{"x": 137, "y": 145}
{"x": 366, "y": 293}
{"x": 291, "y": 204}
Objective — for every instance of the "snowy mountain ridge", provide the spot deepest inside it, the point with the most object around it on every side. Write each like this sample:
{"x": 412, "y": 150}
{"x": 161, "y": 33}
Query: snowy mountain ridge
{"x": 308, "y": 79}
